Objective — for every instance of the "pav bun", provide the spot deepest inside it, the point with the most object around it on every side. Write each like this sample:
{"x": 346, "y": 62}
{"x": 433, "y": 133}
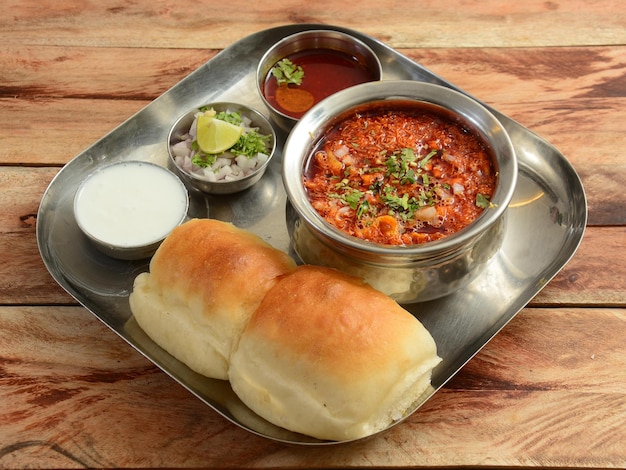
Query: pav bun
{"x": 326, "y": 355}
{"x": 205, "y": 281}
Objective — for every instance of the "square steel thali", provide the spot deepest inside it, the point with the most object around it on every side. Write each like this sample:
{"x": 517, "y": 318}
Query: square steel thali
{"x": 544, "y": 224}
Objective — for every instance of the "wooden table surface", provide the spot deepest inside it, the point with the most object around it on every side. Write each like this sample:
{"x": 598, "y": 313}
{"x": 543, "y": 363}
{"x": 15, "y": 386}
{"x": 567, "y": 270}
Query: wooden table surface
{"x": 548, "y": 391}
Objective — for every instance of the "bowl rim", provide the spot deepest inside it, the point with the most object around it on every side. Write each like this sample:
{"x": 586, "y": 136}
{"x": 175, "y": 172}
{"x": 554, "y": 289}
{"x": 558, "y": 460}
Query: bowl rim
{"x": 323, "y": 115}
{"x": 113, "y": 247}
{"x": 225, "y": 104}
{"x": 264, "y": 67}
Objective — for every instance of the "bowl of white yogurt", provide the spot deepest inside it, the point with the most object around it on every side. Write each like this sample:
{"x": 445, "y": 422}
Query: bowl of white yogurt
{"x": 126, "y": 209}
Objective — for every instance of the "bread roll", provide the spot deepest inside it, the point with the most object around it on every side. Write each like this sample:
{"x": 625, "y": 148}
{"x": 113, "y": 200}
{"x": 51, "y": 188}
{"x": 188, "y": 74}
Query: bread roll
{"x": 328, "y": 356}
{"x": 205, "y": 281}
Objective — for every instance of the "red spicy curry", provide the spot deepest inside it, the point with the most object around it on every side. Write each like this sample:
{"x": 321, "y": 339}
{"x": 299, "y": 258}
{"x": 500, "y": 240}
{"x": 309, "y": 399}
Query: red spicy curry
{"x": 400, "y": 177}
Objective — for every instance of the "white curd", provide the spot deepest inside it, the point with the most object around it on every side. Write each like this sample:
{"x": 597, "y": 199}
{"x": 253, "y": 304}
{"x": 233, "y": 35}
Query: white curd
{"x": 130, "y": 204}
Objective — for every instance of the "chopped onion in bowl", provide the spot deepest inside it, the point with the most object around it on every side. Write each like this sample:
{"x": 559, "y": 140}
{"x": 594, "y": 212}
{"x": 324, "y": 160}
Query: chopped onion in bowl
{"x": 227, "y": 166}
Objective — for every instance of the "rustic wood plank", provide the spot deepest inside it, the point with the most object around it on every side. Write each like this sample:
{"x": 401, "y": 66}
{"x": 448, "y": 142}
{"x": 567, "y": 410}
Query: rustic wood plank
{"x": 23, "y": 276}
{"x": 488, "y": 23}
{"x": 78, "y": 395}
{"x": 494, "y": 75}
{"x": 604, "y": 188}
{"x": 71, "y": 385}
{"x": 53, "y": 122}
{"x": 572, "y": 97}
{"x": 594, "y": 276}
{"x": 95, "y": 72}
{"x": 583, "y": 359}
{"x": 582, "y": 122}
{"x": 500, "y": 75}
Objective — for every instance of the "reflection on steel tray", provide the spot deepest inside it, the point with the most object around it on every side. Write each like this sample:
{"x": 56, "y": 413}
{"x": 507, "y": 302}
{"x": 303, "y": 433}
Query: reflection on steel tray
{"x": 543, "y": 226}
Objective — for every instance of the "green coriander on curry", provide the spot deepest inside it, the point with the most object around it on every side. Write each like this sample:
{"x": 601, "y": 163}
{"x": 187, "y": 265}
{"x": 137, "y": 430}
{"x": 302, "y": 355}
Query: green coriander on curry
{"x": 400, "y": 177}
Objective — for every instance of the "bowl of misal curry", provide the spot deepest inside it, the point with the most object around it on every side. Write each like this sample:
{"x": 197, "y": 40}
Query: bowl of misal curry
{"x": 403, "y": 183}
{"x": 302, "y": 69}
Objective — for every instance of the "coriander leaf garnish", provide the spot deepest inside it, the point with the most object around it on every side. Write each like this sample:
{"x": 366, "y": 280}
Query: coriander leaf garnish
{"x": 425, "y": 160}
{"x": 232, "y": 118}
{"x": 251, "y": 143}
{"x": 343, "y": 184}
{"x": 400, "y": 165}
{"x": 350, "y": 197}
{"x": 391, "y": 198}
{"x": 203, "y": 160}
{"x": 483, "y": 201}
{"x": 363, "y": 209}
{"x": 286, "y": 72}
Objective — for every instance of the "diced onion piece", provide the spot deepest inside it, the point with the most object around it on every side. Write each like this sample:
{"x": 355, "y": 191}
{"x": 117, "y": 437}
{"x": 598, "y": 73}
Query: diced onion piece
{"x": 444, "y": 195}
{"x": 341, "y": 151}
{"x": 426, "y": 214}
{"x": 458, "y": 188}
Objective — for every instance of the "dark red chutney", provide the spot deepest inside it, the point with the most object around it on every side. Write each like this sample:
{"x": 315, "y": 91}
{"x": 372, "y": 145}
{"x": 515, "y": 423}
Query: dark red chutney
{"x": 326, "y": 71}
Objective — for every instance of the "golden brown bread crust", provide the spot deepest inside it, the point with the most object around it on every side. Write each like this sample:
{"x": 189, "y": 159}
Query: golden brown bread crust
{"x": 342, "y": 324}
{"x": 327, "y": 355}
{"x": 307, "y": 348}
{"x": 205, "y": 281}
{"x": 221, "y": 263}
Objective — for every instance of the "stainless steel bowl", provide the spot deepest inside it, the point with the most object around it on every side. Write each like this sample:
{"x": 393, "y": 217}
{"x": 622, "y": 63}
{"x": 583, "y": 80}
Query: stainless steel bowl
{"x": 126, "y": 209}
{"x": 311, "y": 40}
{"x": 406, "y": 273}
{"x": 181, "y": 127}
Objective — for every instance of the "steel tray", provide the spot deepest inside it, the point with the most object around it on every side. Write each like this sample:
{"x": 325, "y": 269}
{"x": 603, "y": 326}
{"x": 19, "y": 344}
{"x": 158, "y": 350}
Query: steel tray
{"x": 544, "y": 225}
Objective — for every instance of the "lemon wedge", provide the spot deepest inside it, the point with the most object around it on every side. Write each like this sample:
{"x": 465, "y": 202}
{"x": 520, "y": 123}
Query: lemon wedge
{"x": 216, "y": 136}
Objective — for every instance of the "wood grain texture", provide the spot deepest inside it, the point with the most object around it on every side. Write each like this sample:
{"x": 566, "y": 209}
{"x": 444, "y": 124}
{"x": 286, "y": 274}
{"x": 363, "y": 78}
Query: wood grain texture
{"x": 95, "y": 72}
{"x": 548, "y": 391}
{"x": 79, "y": 396}
{"x": 54, "y": 121}
{"x": 595, "y": 276}
{"x": 428, "y": 23}
{"x": 23, "y": 276}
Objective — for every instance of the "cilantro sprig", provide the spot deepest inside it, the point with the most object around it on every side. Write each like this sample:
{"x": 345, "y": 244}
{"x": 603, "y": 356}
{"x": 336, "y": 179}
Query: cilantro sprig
{"x": 230, "y": 117}
{"x": 285, "y": 72}
{"x": 349, "y": 196}
{"x": 251, "y": 143}
{"x": 201, "y": 159}
{"x": 483, "y": 201}
{"x": 417, "y": 189}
